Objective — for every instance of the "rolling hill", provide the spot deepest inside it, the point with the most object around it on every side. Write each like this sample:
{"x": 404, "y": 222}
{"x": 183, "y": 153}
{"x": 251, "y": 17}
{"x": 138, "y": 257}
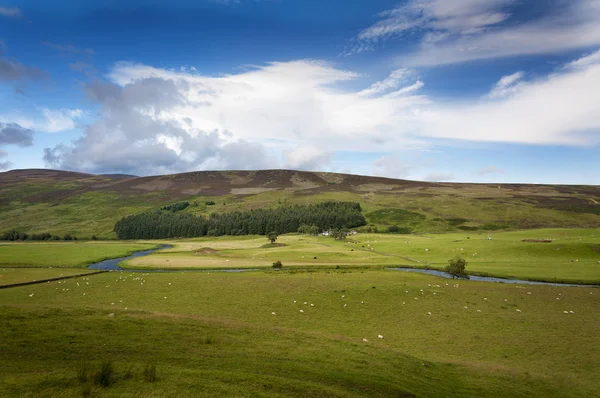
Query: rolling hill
{"x": 60, "y": 202}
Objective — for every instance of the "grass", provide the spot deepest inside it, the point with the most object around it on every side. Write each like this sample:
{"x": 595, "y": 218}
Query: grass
{"x": 572, "y": 256}
{"x": 214, "y": 334}
{"x": 9, "y": 276}
{"x": 64, "y": 254}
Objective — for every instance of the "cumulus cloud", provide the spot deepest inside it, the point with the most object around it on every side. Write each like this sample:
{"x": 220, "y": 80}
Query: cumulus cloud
{"x": 133, "y": 136}
{"x": 465, "y": 30}
{"x": 13, "y": 134}
{"x": 59, "y": 119}
{"x": 295, "y": 114}
{"x": 392, "y": 167}
{"x": 308, "y": 158}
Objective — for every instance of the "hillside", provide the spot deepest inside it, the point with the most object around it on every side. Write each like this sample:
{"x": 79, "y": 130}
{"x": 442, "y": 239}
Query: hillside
{"x": 62, "y": 202}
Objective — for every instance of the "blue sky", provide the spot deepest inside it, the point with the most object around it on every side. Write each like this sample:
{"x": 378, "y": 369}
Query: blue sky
{"x": 438, "y": 90}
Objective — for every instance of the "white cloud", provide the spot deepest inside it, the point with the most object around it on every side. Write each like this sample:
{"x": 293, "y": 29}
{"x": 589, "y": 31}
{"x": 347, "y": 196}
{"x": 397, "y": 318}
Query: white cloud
{"x": 173, "y": 120}
{"x": 308, "y": 158}
{"x": 59, "y": 119}
{"x": 584, "y": 62}
{"x": 437, "y": 18}
{"x": 392, "y": 167}
{"x": 391, "y": 82}
{"x": 466, "y": 30}
{"x": 507, "y": 85}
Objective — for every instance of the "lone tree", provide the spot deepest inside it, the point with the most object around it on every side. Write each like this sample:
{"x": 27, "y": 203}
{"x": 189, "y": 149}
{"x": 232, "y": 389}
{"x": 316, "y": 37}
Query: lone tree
{"x": 456, "y": 268}
{"x": 277, "y": 264}
{"x": 272, "y": 236}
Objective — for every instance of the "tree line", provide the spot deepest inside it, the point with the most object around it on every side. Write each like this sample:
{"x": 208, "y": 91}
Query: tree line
{"x": 158, "y": 224}
{"x": 14, "y": 235}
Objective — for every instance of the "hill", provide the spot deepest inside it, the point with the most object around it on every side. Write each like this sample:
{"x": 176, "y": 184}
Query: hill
{"x": 61, "y": 202}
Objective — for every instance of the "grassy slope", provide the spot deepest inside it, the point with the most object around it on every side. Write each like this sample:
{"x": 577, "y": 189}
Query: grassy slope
{"x": 85, "y": 205}
{"x": 573, "y": 254}
{"x": 214, "y": 334}
{"x": 64, "y": 254}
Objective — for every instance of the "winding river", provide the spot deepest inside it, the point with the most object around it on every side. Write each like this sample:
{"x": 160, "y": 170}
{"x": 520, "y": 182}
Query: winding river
{"x": 113, "y": 265}
{"x": 488, "y": 278}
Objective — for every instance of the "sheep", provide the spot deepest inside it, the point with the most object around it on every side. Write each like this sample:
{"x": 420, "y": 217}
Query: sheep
{"x": 365, "y": 340}
{"x": 302, "y": 311}
{"x": 429, "y": 313}
{"x": 380, "y": 337}
{"x": 518, "y": 310}
{"x": 111, "y": 314}
{"x": 272, "y": 313}
{"x": 31, "y": 295}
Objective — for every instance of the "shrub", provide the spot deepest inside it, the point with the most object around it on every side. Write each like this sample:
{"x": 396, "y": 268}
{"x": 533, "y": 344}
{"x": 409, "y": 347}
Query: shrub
{"x": 277, "y": 264}
{"x": 210, "y": 203}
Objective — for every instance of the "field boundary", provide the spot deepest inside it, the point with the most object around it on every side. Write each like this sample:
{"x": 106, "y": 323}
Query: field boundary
{"x": 50, "y": 280}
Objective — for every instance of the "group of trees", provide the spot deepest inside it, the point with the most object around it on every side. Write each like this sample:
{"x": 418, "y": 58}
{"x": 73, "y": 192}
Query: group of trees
{"x": 175, "y": 207}
{"x": 159, "y": 224}
{"x": 14, "y": 235}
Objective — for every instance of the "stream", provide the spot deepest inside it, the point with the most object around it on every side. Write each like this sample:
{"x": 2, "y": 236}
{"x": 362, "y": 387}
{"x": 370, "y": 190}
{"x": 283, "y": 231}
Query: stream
{"x": 113, "y": 265}
{"x": 488, "y": 278}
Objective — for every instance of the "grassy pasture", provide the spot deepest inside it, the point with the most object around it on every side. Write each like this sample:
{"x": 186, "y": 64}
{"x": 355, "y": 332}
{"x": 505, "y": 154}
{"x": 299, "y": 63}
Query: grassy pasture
{"x": 64, "y": 254}
{"x": 572, "y": 255}
{"x": 214, "y": 333}
{"x": 9, "y": 276}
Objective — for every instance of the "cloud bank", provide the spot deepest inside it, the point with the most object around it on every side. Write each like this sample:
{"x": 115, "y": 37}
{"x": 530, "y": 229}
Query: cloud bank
{"x": 296, "y": 114}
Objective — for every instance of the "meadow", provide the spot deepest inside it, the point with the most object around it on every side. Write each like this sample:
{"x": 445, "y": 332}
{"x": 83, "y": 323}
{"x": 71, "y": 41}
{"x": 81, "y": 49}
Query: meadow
{"x": 298, "y": 333}
{"x": 571, "y": 256}
{"x": 64, "y": 254}
{"x": 340, "y": 325}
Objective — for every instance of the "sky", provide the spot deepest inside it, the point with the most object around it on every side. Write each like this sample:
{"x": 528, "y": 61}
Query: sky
{"x": 434, "y": 90}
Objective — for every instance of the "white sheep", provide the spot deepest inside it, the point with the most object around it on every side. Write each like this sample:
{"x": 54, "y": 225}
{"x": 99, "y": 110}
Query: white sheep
{"x": 380, "y": 337}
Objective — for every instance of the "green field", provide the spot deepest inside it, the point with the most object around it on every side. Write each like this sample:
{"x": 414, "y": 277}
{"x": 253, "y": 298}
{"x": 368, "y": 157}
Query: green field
{"x": 572, "y": 256}
{"x": 214, "y": 333}
{"x": 64, "y": 254}
{"x": 8, "y": 276}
